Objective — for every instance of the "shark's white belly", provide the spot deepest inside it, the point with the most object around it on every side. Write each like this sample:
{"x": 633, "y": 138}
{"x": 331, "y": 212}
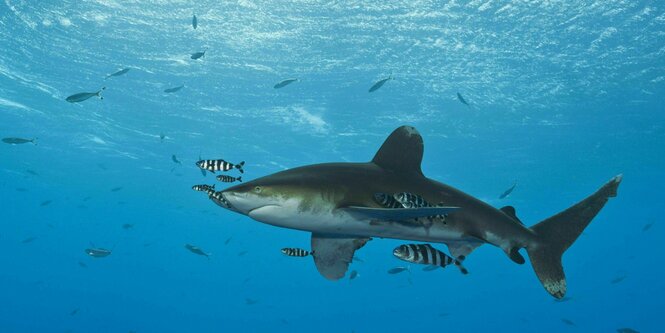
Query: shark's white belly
{"x": 325, "y": 220}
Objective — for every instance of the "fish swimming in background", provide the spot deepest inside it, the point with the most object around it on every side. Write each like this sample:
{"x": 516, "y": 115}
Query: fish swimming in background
{"x": 219, "y": 165}
{"x": 174, "y": 89}
{"x": 80, "y": 97}
{"x": 175, "y": 159}
{"x": 427, "y": 255}
{"x": 462, "y": 100}
{"x": 19, "y": 141}
{"x": 45, "y": 203}
{"x": 398, "y": 270}
{"x": 618, "y": 279}
{"x": 507, "y": 192}
{"x": 74, "y": 312}
{"x": 354, "y": 274}
{"x": 219, "y": 200}
{"x": 195, "y": 22}
{"x": 228, "y": 179}
{"x": 197, "y": 250}
{"x": 647, "y": 226}
{"x": 227, "y": 241}
{"x": 204, "y": 188}
{"x": 386, "y": 200}
{"x": 295, "y": 252}
{"x": 98, "y": 252}
{"x": 627, "y": 330}
{"x": 568, "y": 322}
{"x": 380, "y": 83}
{"x": 127, "y": 226}
{"x": 284, "y": 83}
{"x": 118, "y": 73}
{"x": 28, "y": 240}
{"x": 116, "y": 189}
{"x": 34, "y": 173}
{"x": 82, "y": 264}
{"x": 242, "y": 253}
{"x": 198, "y": 55}
{"x": 250, "y": 301}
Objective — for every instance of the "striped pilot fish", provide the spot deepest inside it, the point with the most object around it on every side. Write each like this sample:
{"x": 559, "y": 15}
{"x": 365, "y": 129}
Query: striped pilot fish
{"x": 228, "y": 179}
{"x": 427, "y": 255}
{"x": 219, "y": 165}
{"x": 387, "y": 201}
{"x": 210, "y": 189}
{"x": 219, "y": 199}
{"x": 410, "y": 200}
{"x": 295, "y": 252}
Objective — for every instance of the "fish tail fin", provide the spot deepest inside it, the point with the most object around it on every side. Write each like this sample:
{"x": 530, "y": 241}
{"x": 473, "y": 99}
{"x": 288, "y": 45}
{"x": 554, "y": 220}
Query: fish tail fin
{"x": 557, "y": 233}
{"x": 240, "y": 179}
{"x": 34, "y": 141}
{"x": 99, "y": 93}
{"x": 239, "y": 166}
{"x": 461, "y": 267}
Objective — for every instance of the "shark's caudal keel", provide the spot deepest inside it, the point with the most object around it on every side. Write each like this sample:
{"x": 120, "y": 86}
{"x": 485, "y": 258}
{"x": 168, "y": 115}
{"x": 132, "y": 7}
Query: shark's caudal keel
{"x": 338, "y": 203}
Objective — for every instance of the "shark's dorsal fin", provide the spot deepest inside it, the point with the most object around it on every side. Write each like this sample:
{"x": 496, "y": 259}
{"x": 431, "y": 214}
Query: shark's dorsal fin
{"x": 402, "y": 151}
{"x": 333, "y": 254}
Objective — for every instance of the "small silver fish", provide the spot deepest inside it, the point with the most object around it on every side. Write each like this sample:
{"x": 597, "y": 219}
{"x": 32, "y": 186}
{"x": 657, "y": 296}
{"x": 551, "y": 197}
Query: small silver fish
{"x": 80, "y": 97}
{"x": 19, "y": 141}
{"x": 118, "y": 73}
{"x": 397, "y": 270}
{"x": 195, "y": 22}
{"x": 196, "y": 250}
{"x": 175, "y": 160}
{"x": 353, "y": 275}
{"x": 462, "y": 100}
{"x": 507, "y": 192}
{"x": 174, "y": 89}
{"x": 284, "y": 83}
{"x": 198, "y": 55}
{"x": 380, "y": 83}
{"x": 98, "y": 252}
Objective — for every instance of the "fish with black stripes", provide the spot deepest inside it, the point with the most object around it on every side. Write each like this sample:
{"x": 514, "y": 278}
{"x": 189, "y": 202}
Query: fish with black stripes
{"x": 210, "y": 189}
{"x": 427, "y": 255}
{"x": 229, "y": 179}
{"x": 219, "y": 199}
{"x": 387, "y": 201}
{"x": 219, "y": 165}
{"x": 410, "y": 200}
{"x": 296, "y": 252}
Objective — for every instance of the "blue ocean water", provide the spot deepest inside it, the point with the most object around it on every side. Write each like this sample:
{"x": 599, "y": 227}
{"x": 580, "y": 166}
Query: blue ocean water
{"x": 563, "y": 96}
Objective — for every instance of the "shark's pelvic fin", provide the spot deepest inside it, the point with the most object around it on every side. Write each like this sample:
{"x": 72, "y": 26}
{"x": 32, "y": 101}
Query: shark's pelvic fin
{"x": 332, "y": 254}
{"x": 558, "y": 232}
{"x": 396, "y": 214}
{"x": 461, "y": 250}
{"x": 402, "y": 152}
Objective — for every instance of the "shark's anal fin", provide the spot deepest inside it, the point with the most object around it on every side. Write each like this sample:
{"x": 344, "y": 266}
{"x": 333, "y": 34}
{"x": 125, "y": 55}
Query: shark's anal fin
{"x": 402, "y": 152}
{"x": 396, "y": 214}
{"x": 333, "y": 254}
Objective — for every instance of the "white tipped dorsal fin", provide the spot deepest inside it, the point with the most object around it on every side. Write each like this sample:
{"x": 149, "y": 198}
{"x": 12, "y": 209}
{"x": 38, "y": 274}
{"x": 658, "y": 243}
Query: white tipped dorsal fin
{"x": 332, "y": 254}
{"x": 401, "y": 152}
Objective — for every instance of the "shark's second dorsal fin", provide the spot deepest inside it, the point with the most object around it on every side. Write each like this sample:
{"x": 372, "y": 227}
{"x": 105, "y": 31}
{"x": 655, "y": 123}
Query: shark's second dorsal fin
{"x": 402, "y": 151}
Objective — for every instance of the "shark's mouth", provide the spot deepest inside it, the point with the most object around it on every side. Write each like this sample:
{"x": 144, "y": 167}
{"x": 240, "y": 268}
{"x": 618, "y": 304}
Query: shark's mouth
{"x": 254, "y": 210}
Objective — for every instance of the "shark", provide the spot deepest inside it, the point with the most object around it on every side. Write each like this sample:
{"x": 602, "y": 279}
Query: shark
{"x": 336, "y": 203}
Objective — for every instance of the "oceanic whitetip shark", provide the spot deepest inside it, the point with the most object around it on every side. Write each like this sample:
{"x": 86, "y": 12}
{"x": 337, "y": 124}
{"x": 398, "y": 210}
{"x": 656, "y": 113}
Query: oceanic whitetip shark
{"x": 336, "y": 203}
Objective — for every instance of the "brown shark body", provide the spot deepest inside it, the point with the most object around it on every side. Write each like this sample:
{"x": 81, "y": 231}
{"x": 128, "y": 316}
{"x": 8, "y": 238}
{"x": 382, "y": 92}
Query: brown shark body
{"x": 336, "y": 202}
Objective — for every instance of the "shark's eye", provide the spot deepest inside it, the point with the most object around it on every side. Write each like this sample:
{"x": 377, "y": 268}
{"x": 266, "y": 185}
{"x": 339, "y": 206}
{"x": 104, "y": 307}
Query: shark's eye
{"x": 257, "y": 189}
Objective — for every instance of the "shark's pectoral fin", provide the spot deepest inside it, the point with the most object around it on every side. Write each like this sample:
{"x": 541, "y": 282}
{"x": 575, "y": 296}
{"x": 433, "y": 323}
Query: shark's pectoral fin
{"x": 395, "y": 214}
{"x": 332, "y": 254}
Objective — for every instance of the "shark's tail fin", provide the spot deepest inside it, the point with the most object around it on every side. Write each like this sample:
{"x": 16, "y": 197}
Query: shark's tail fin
{"x": 557, "y": 233}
